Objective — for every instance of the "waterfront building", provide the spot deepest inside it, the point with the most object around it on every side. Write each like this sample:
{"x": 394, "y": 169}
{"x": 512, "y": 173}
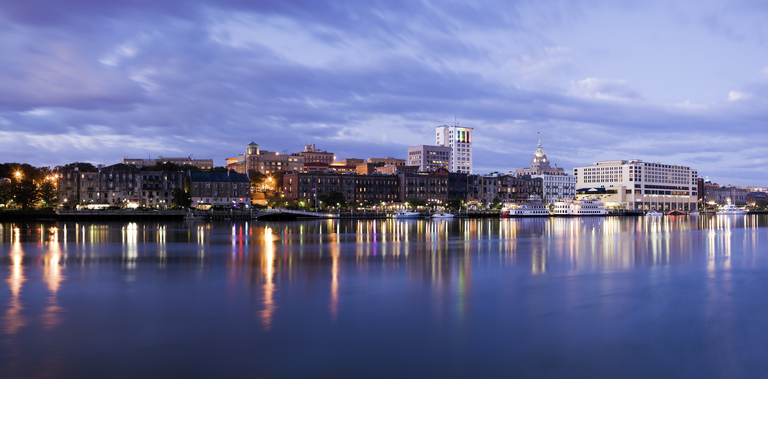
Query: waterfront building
{"x": 757, "y": 197}
{"x": 436, "y": 186}
{"x": 203, "y": 164}
{"x": 715, "y": 194}
{"x": 219, "y": 189}
{"x": 429, "y": 157}
{"x": 459, "y": 140}
{"x": 157, "y": 188}
{"x": 119, "y": 185}
{"x": 637, "y": 185}
{"x": 309, "y": 187}
{"x": 482, "y": 189}
{"x": 557, "y": 187}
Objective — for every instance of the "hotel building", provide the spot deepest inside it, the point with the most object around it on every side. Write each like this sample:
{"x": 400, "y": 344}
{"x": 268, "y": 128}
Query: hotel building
{"x": 429, "y": 158}
{"x": 637, "y": 185}
{"x": 459, "y": 139}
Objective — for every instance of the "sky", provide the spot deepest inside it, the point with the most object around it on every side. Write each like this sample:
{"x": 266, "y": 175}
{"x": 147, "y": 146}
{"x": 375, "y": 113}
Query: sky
{"x": 671, "y": 82}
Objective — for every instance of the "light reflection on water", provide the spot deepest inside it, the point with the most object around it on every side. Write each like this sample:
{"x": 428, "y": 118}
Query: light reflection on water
{"x": 540, "y": 297}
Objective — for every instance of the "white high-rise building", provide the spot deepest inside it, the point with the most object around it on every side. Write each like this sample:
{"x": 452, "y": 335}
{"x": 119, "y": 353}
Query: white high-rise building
{"x": 637, "y": 185}
{"x": 459, "y": 139}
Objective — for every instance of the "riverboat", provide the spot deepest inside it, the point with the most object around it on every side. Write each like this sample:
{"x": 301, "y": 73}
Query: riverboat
{"x": 579, "y": 207}
{"x": 530, "y": 207}
{"x": 731, "y": 209}
{"x": 405, "y": 214}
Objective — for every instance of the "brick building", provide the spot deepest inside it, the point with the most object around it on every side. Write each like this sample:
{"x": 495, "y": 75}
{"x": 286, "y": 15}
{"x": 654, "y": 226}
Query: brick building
{"x": 219, "y": 189}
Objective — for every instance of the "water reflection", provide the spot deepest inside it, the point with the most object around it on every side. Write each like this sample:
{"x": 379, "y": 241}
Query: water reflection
{"x": 392, "y": 275}
{"x": 13, "y": 319}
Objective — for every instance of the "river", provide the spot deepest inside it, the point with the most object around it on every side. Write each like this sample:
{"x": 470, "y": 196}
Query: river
{"x": 614, "y": 297}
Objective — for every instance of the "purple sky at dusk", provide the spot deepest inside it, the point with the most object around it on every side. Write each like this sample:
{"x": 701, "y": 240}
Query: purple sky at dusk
{"x": 682, "y": 83}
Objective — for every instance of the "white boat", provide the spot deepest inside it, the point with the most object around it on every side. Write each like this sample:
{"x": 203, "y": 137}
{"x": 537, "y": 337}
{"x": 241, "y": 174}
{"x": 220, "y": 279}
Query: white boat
{"x": 530, "y": 207}
{"x": 579, "y": 207}
{"x": 731, "y": 209}
{"x": 405, "y": 214}
{"x": 653, "y": 212}
{"x": 442, "y": 215}
{"x": 693, "y": 213}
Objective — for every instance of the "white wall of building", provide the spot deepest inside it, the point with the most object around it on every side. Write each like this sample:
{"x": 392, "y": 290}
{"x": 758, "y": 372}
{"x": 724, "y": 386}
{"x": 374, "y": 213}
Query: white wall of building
{"x": 459, "y": 139}
{"x": 642, "y": 185}
{"x": 557, "y": 187}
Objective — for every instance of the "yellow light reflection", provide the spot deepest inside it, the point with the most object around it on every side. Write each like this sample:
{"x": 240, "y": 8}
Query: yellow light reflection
{"x": 13, "y": 319}
{"x": 269, "y": 272}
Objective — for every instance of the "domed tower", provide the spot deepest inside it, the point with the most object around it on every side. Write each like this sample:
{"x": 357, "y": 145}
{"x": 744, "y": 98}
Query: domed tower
{"x": 540, "y": 161}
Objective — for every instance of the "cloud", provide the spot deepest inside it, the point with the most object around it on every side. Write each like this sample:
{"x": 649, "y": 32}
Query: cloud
{"x": 101, "y": 80}
{"x": 605, "y": 89}
{"x": 736, "y": 95}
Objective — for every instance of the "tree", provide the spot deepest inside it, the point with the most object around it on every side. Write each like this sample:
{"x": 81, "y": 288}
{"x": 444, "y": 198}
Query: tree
{"x": 454, "y": 204}
{"x": 181, "y": 199}
{"x": 81, "y": 166}
{"x": 170, "y": 167}
{"x": 416, "y": 202}
{"x": 220, "y": 170}
{"x": 47, "y": 192}
{"x": 6, "y": 191}
{"x": 25, "y": 193}
{"x": 496, "y": 203}
{"x": 333, "y": 199}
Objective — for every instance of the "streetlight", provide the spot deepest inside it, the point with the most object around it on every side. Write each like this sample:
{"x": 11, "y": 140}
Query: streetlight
{"x": 18, "y": 175}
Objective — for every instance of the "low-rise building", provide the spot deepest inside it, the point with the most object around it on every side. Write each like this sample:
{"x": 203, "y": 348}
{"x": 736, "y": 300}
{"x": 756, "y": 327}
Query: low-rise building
{"x": 386, "y": 161}
{"x": 556, "y": 187}
{"x": 309, "y": 187}
{"x": 435, "y": 187}
{"x": 219, "y": 189}
{"x": 313, "y": 154}
{"x": 396, "y": 169}
{"x": 482, "y": 189}
{"x": 203, "y": 164}
{"x": 715, "y": 194}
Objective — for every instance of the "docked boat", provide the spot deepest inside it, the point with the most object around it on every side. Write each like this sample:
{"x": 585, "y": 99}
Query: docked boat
{"x": 442, "y": 215}
{"x": 530, "y": 207}
{"x": 579, "y": 207}
{"x": 676, "y": 213}
{"x": 653, "y": 212}
{"x": 731, "y": 209}
{"x": 405, "y": 214}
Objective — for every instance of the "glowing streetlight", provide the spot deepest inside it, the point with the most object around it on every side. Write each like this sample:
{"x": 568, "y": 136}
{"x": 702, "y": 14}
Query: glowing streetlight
{"x": 18, "y": 174}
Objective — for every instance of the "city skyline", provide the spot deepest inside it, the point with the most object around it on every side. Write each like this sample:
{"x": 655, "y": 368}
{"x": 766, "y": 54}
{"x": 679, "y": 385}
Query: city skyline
{"x": 97, "y": 82}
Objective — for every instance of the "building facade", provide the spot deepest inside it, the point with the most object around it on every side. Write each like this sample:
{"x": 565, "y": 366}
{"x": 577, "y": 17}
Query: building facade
{"x": 268, "y": 162}
{"x": 482, "y": 189}
{"x": 637, "y": 185}
{"x": 556, "y": 187}
{"x": 429, "y": 157}
{"x": 203, "y": 164}
{"x": 219, "y": 189}
{"x": 386, "y": 161}
{"x": 715, "y": 194}
{"x": 313, "y": 154}
{"x": 459, "y": 140}
{"x": 117, "y": 185}
{"x": 310, "y": 187}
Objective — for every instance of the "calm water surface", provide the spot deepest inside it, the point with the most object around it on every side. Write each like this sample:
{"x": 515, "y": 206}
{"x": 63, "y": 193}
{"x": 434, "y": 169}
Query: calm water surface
{"x": 517, "y": 298}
